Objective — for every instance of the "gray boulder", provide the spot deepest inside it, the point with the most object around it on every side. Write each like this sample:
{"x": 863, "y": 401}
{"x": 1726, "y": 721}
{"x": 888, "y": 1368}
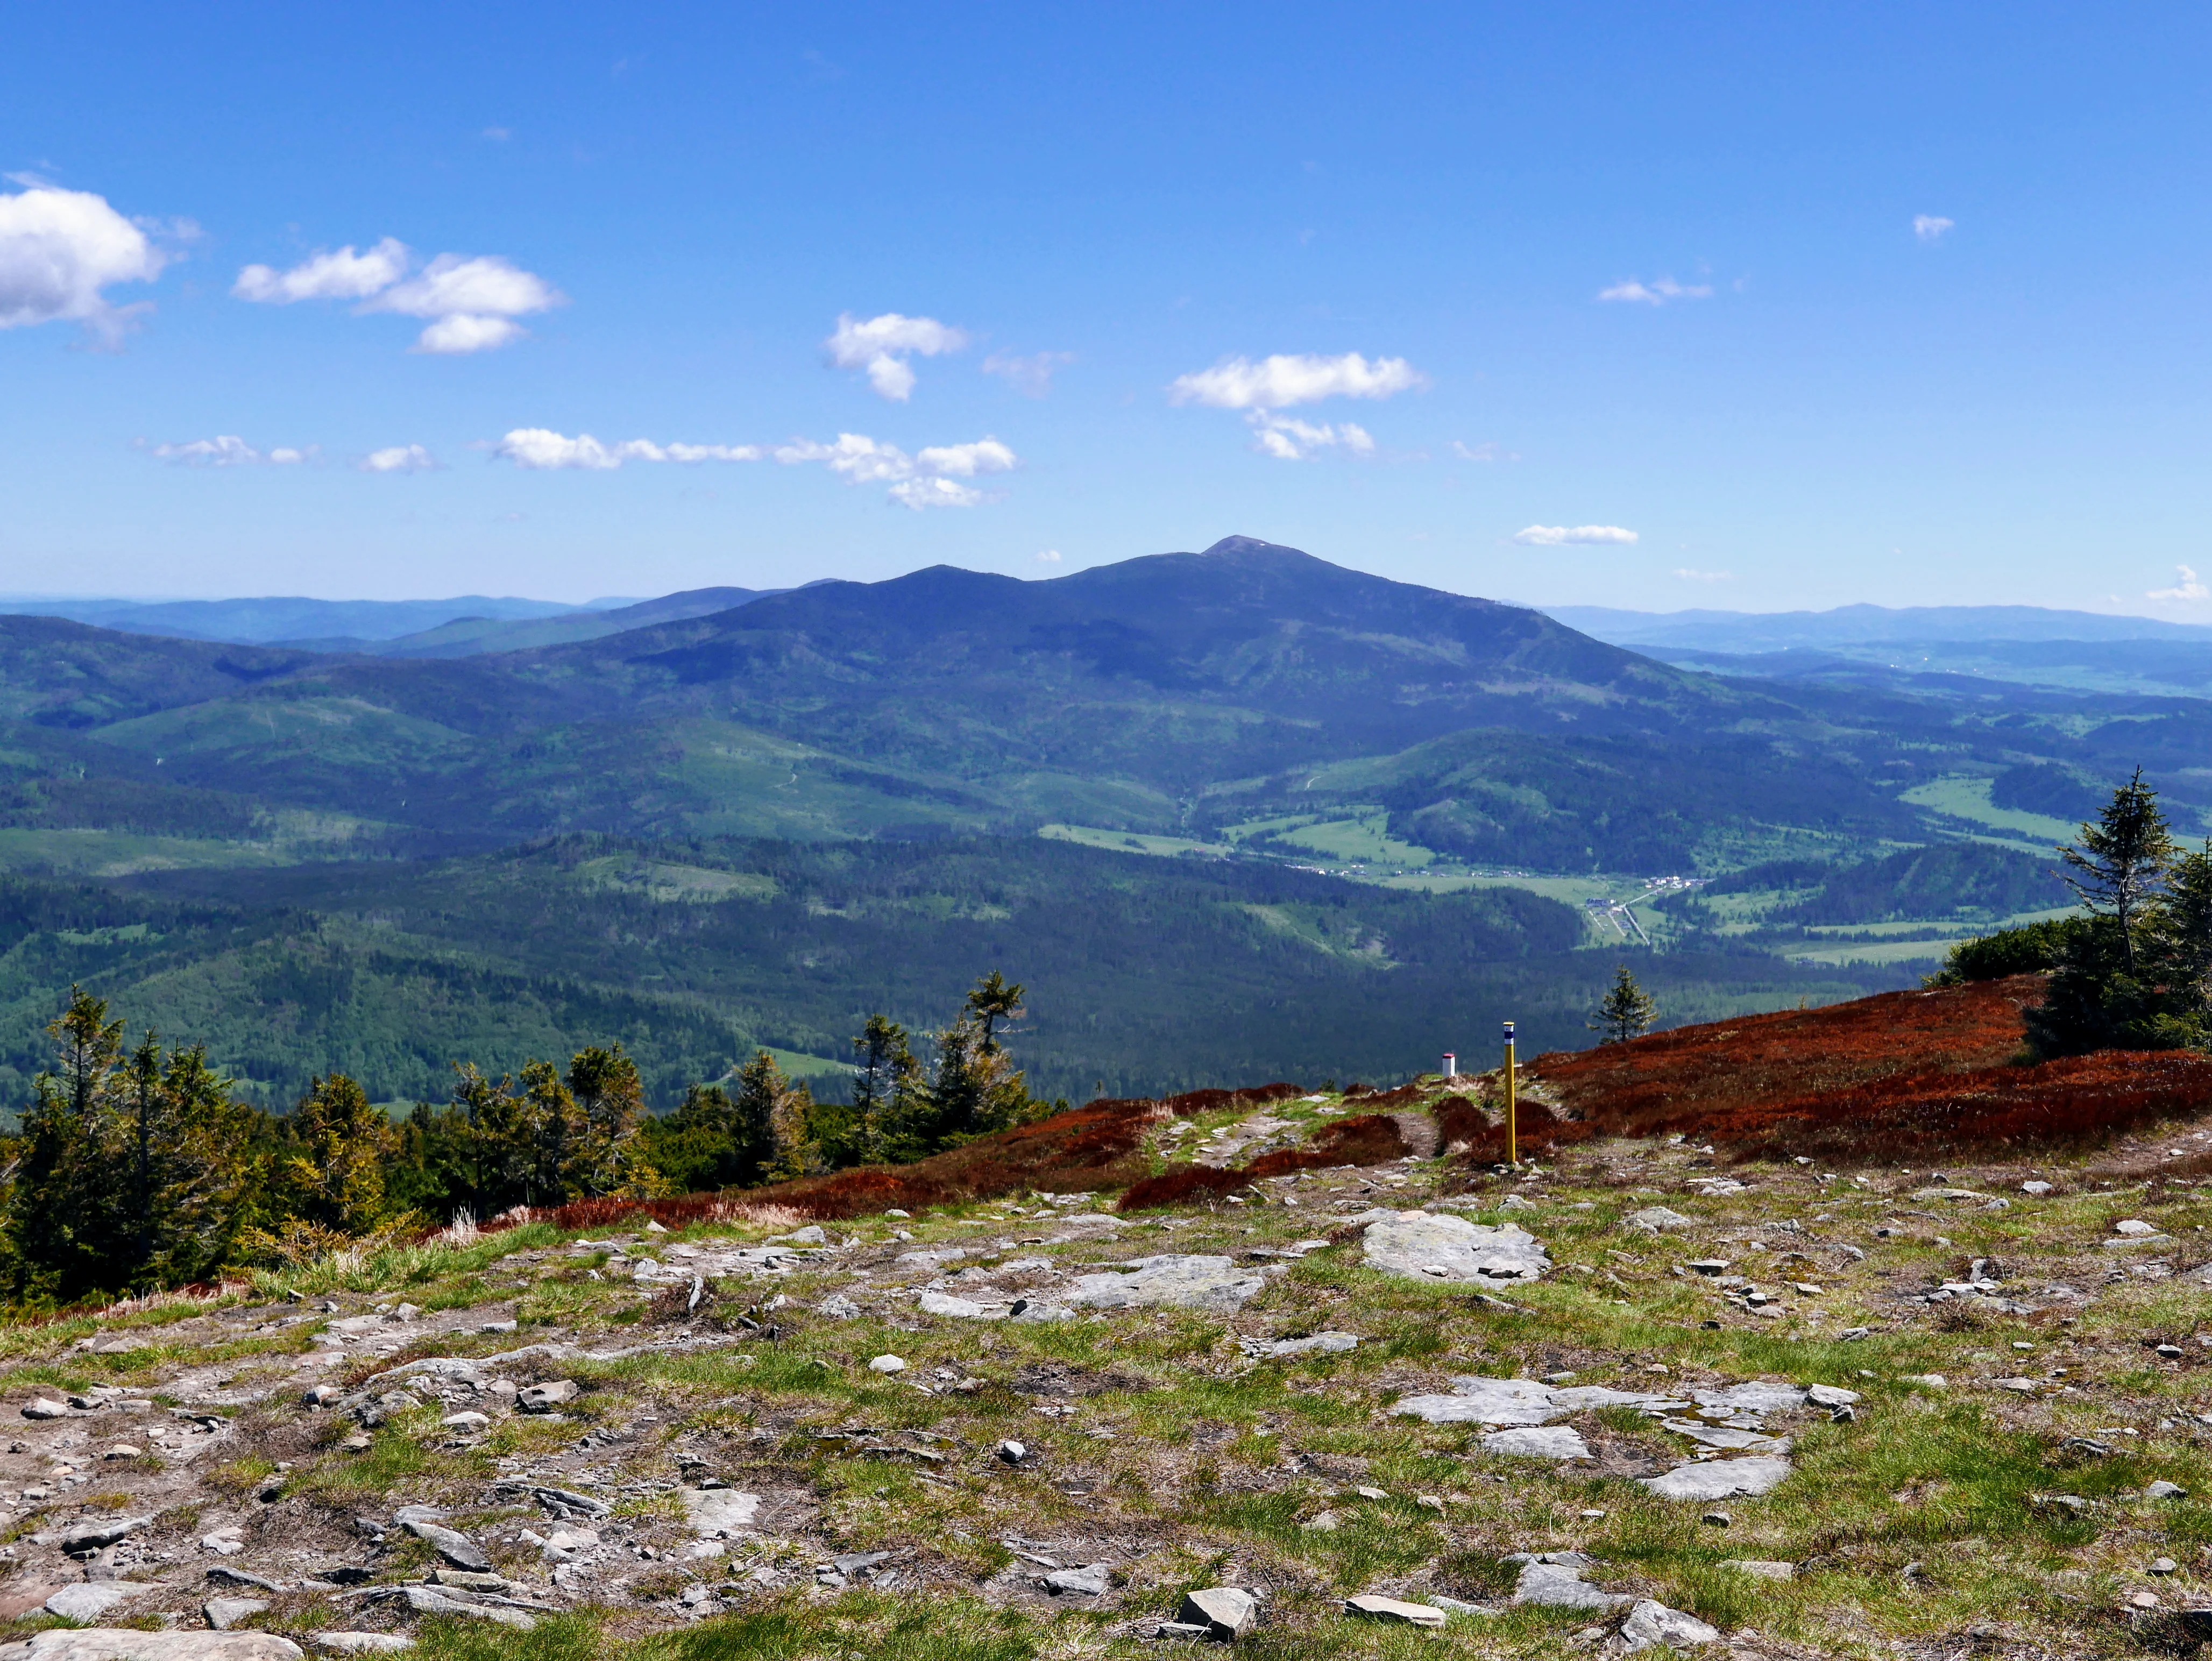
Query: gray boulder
{"x": 1422, "y": 1246}
{"x": 1089, "y": 1581}
{"x": 1650, "y": 1624}
{"x": 451, "y": 1544}
{"x": 1554, "y": 1580}
{"x": 1657, "y": 1220}
{"x": 88, "y": 1600}
{"x": 1225, "y": 1612}
{"x": 224, "y": 1613}
{"x": 719, "y": 1512}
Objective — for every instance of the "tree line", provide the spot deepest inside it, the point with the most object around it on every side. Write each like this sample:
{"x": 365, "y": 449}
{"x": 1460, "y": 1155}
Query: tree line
{"x": 137, "y": 1168}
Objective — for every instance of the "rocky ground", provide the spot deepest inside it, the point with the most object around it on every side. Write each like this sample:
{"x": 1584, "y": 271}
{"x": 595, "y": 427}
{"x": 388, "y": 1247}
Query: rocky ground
{"x": 1634, "y": 1399}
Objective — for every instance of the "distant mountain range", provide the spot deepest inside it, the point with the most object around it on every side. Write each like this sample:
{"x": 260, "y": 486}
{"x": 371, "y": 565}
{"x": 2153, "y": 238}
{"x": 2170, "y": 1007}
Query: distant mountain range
{"x": 1860, "y": 625}
{"x": 475, "y": 835}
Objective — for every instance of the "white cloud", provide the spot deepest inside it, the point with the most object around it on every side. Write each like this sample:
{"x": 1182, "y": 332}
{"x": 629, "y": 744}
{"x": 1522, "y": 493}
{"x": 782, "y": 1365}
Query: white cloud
{"x": 471, "y": 303}
{"x": 881, "y": 345}
{"x": 1031, "y": 376}
{"x": 229, "y": 450}
{"x": 1278, "y": 382}
{"x": 1580, "y": 535}
{"x": 1929, "y": 227}
{"x": 59, "y": 249}
{"x": 464, "y": 332}
{"x": 927, "y": 479}
{"x": 1049, "y": 556}
{"x": 487, "y": 285}
{"x": 399, "y": 458}
{"x": 344, "y": 275}
{"x": 937, "y": 493}
{"x": 1480, "y": 452}
{"x": 541, "y": 448}
{"x": 2187, "y": 587}
{"x": 1288, "y": 439}
{"x": 966, "y": 460}
{"x": 1689, "y": 576}
{"x": 1657, "y": 291}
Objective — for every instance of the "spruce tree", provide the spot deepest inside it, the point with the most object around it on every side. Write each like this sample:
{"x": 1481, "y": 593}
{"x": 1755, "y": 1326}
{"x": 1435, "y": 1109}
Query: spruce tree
{"x": 2117, "y": 864}
{"x": 611, "y": 1098}
{"x": 333, "y": 1174}
{"x": 1625, "y": 1011}
{"x": 887, "y": 1097}
{"x": 2110, "y": 988}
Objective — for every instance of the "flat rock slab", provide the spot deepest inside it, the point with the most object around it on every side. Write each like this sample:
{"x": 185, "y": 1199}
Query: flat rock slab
{"x": 363, "y": 1643}
{"x": 966, "y": 1309}
{"x": 1561, "y": 1586}
{"x": 428, "y": 1600}
{"x": 1517, "y": 1402}
{"x": 88, "y": 1600}
{"x": 1652, "y": 1624}
{"x": 1320, "y": 1343}
{"x": 1719, "y": 1479}
{"x": 1537, "y": 1442}
{"x": 1396, "y": 1610}
{"x": 224, "y": 1613}
{"x": 1658, "y": 1219}
{"x": 719, "y": 1512}
{"x": 1423, "y": 1246}
{"x": 122, "y": 1644}
{"x": 1726, "y": 1436}
{"x": 1186, "y": 1282}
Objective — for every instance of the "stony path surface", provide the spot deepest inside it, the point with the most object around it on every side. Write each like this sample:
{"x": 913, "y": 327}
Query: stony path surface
{"x": 1966, "y": 1411}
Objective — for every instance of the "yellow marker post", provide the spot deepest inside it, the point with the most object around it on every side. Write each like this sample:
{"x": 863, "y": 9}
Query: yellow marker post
{"x": 1512, "y": 1124}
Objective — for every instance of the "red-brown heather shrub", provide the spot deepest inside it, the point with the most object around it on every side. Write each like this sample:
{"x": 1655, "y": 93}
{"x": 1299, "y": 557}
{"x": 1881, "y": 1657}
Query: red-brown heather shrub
{"x": 1458, "y": 1121}
{"x": 1094, "y": 1147}
{"x": 1872, "y": 1079}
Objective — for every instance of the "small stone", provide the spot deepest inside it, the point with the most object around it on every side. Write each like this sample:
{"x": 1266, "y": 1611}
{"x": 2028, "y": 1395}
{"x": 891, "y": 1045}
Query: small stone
{"x": 2172, "y": 1352}
{"x": 2038, "y": 1187}
{"x": 2162, "y": 1566}
{"x": 91, "y": 1536}
{"x": 321, "y": 1395}
{"x": 1925, "y": 1380}
{"x": 719, "y": 1512}
{"x": 545, "y": 1397}
{"x": 124, "y": 1451}
{"x": 1761, "y": 1568}
{"x": 1225, "y": 1612}
{"x": 2134, "y": 1228}
{"x": 1013, "y": 1453}
{"x": 1089, "y": 1581}
{"x": 1324, "y": 1522}
{"x": 1371, "y": 1492}
{"x": 1719, "y": 1479}
{"x": 363, "y": 1643}
{"x": 454, "y": 1546}
{"x": 1716, "y": 1520}
{"x": 2143, "y": 1600}
{"x": 1395, "y": 1610}
{"x": 224, "y": 1613}
{"x": 224, "y": 1542}
{"x": 464, "y": 1421}
{"x": 895, "y": 1212}
{"x": 1652, "y": 1623}
{"x": 45, "y": 1408}
{"x": 1554, "y": 1580}
{"x": 1429, "y": 1501}
{"x": 652, "y": 1227}
{"x": 2163, "y": 1489}
{"x": 1656, "y": 1219}
{"x": 838, "y": 1308}
{"x": 887, "y": 1364}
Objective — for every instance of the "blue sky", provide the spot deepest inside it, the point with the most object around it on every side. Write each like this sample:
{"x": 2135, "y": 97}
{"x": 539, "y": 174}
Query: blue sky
{"x": 1909, "y": 302}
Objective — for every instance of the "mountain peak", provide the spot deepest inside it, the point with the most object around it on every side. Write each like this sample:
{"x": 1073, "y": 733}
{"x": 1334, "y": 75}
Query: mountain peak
{"x": 1235, "y": 545}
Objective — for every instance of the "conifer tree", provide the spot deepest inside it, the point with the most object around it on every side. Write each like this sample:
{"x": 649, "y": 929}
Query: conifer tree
{"x": 2108, "y": 988}
{"x": 1626, "y": 1011}
{"x": 774, "y": 1135}
{"x": 611, "y": 1098}
{"x": 889, "y": 1101}
{"x": 333, "y": 1174}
